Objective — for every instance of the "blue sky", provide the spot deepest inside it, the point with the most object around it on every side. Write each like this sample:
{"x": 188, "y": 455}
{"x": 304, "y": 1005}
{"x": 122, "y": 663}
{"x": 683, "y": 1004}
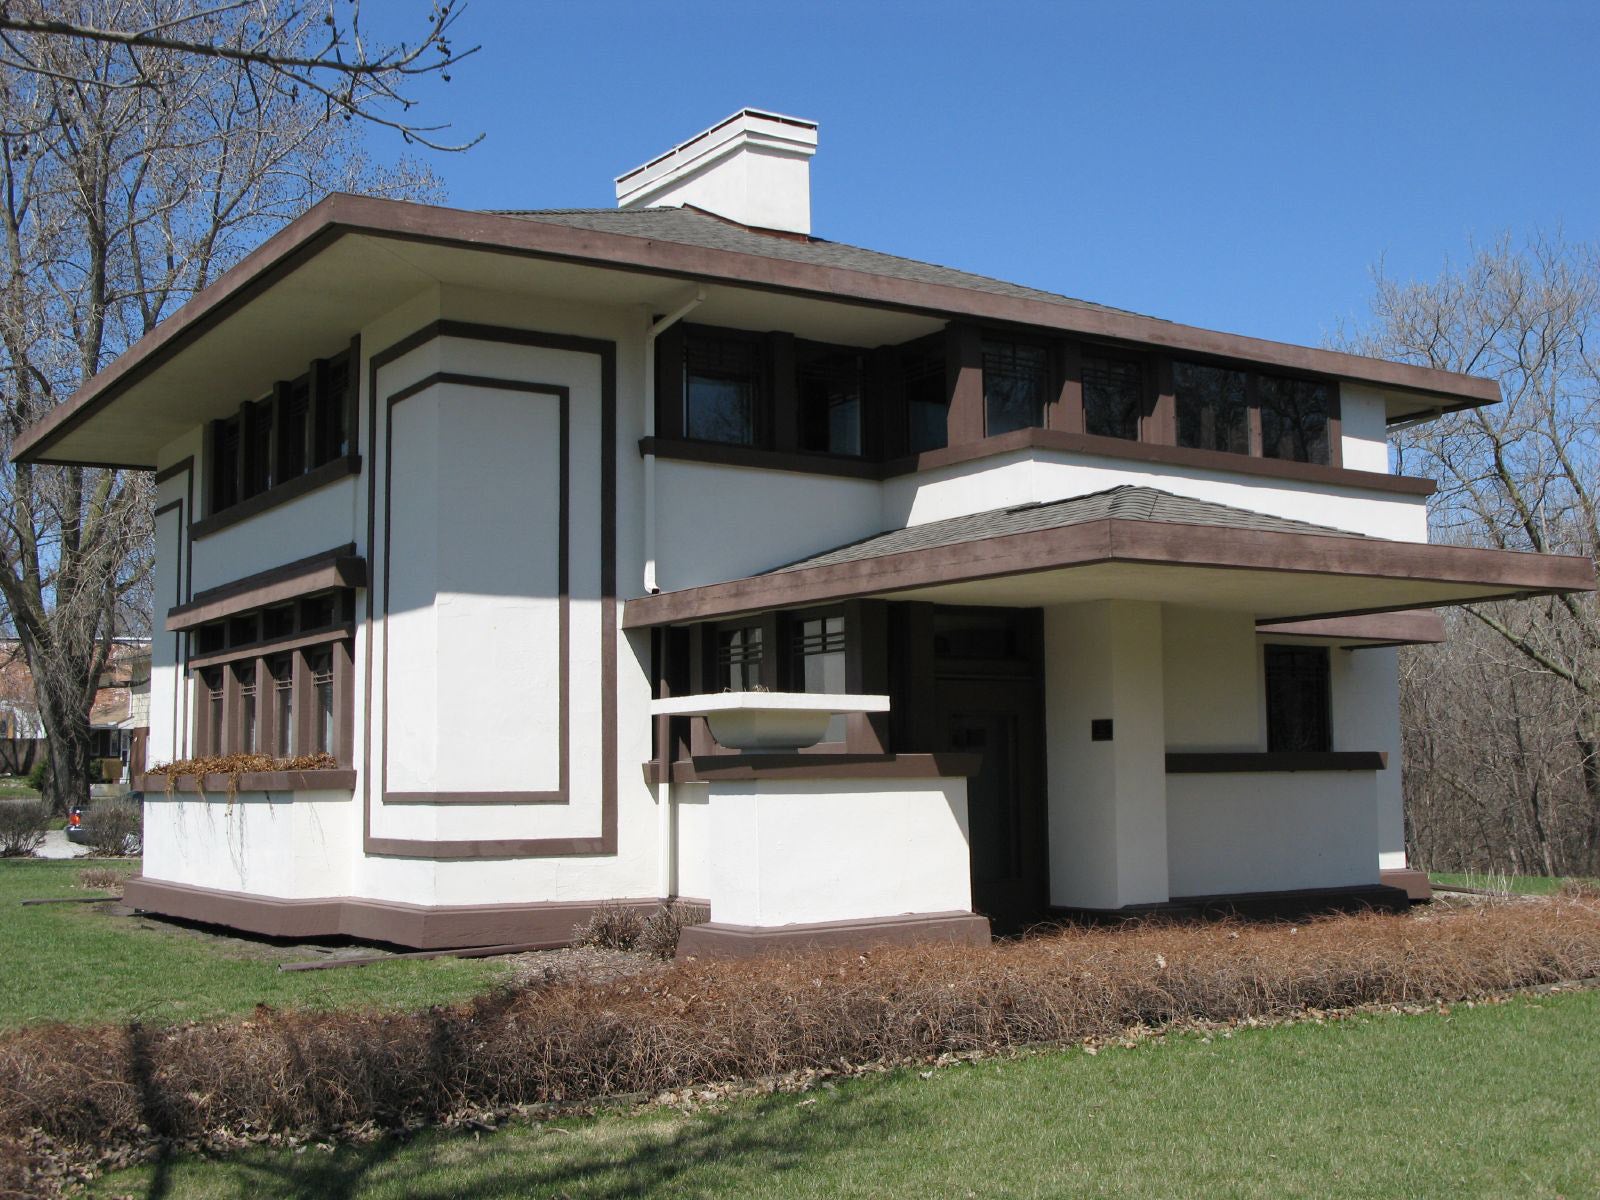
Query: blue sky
{"x": 1239, "y": 166}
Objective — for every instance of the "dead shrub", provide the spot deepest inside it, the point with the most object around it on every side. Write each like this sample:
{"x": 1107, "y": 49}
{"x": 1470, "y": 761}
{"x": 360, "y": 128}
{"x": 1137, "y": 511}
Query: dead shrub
{"x": 610, "y": 927}
{"x": 235, "y": 765}
{"x": 22, "y": 827}
{"x": 1580, "y": 889}
{"x": 659, "y": 937}
{"x": 114, "y": 828}
{"x": 89, "y": 1090}
{"x": 102, "y": 879}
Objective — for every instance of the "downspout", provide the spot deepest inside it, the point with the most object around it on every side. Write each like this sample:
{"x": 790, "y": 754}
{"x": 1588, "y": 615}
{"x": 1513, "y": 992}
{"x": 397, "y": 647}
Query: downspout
{"x": 666, "y": 843}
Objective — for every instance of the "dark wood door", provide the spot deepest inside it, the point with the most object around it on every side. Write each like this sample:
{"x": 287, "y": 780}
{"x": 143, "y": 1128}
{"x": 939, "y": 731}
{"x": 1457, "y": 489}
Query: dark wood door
{"x": 999, "y": 720}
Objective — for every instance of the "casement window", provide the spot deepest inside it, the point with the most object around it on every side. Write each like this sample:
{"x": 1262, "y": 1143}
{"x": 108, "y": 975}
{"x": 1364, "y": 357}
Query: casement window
{"x": 277, "y": 680}
{"x": 741, "y": 650}
{"x": 304, "y": 424}
{"x": 1213, "y": 407}
{"x": 1016, "y": 385}
{"x": 1113, "y": 396}
{"x": 722, "y": 392}
{"x": 817, "y": 662}
{"x": 1299, "y": 710}
{"x": 927, "y": 397}
{"x": 1294, "y": 418}
{"x": 828, "y": 385}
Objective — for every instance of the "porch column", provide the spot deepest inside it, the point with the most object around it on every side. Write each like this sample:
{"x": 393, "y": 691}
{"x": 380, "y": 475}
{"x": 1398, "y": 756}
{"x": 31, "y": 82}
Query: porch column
{"x": 1107, "y": 791}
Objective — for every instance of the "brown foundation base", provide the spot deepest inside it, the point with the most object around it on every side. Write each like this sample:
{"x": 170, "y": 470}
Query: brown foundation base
{"x": 416, "y": 926}
{"x": 745, "y": 941}
{"x": 1413, "y": 883}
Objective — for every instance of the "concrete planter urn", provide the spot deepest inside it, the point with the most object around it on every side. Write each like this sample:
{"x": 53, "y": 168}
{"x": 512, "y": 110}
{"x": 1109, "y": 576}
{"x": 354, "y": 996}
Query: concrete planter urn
{"x": 767, "y": 722}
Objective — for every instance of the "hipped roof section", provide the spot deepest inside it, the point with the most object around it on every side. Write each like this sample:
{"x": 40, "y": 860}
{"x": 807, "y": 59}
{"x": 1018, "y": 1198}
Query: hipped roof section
{"x": 1132, "y": 543}
{"x": 351, "y": 258}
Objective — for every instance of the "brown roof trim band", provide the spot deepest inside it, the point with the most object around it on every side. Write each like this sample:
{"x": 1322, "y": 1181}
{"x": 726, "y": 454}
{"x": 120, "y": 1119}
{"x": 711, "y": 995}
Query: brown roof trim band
{"x": 1115, "y": 540}
{"x": 1409, "y": 627}
{"x": 340, "y": 214}
{"x": 339, "y": 567}
{"x": 1229, "y": 762}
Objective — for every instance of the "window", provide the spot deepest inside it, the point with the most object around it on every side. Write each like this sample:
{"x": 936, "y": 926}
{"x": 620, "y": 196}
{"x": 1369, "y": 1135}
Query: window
{"x": 281, "y": 669}
{"x": 721, "y": 388}
{"x": 1113, "y": 396}
{"x": 1213, "y": 407}
{"x": 249, "y": 710}
{"x": 1298, "y": 708}
{"x": 1294, "y": 418}
{"x": 739, "y": 654}
{"x": 828, "y": 384}
{"x": 819, "y": 663}
{"x": 305, "y": 423}
{"x": 927, "y": 398}
{"x": 276, "y": 680}
{"x": 1016, "y": 382}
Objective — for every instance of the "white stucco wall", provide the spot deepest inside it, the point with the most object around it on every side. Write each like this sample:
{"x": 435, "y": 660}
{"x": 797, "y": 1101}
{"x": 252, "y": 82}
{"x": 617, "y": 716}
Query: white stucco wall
{"x": 1264, "y": 832}
{"x": 798, "y": 852}
{"x": 168, "y": 703}
{"x": 294, "y": 845}
{"x": 1211, "y": 672}
{"x": 1106, "y": 800}
{"x": 1365, "y": 437}
{"x": 306, "y": 525}
{"x": 1366, "y": 716}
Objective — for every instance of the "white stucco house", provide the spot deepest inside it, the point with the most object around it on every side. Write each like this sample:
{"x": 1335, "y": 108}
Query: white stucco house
{"x": 670, "y": 551}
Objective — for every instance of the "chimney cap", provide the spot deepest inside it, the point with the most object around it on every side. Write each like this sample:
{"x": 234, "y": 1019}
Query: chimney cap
{"x": 793, "y": 135}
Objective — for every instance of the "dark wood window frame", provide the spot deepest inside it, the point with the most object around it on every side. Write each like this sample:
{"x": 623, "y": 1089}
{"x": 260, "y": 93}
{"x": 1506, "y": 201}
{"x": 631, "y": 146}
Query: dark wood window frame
{"x": 253, "y": 461}
{"x": 249, "y": 654}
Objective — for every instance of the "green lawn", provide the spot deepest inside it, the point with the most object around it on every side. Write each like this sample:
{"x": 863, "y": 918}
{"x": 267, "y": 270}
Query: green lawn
{"x": 15, "y": 787}
{"x": 76, "y": 962}
{"x": 1486, "y": 1102}
{"x": 1525, "y": 885}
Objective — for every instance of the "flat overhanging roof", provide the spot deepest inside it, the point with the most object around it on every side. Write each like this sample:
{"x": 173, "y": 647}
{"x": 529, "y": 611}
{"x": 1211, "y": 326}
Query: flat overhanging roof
{"x": 1272, "y": 575}
{"x": 307, "y": 290}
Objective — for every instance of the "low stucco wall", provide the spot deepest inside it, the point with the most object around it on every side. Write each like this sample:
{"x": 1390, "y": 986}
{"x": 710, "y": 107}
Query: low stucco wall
{"x": 799, "y": 852}
{"x": 293, "y": 845}
{"x": 1270, "y": 831}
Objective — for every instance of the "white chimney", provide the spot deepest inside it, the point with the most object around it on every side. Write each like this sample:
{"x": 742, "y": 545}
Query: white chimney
{"x": 753, "y": 168}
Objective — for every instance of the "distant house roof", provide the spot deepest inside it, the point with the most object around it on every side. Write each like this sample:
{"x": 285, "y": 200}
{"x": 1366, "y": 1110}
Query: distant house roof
{"x": 1127, "y": 502}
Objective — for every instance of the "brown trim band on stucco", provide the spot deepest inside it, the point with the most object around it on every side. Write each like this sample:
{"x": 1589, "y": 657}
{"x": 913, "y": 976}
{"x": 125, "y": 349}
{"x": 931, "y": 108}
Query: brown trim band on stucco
{"x": 555, "y": 847}
{"x": 220, "y": 786}
{"x": 544, "y": 924}
{"x": 562, "y": 395}
{"x": 340, "y": 567}
{"x": 1156, "y": 543}
{"x": 1407, "y": 627}
{"x": 333, "y": 633}
{"x": 174, "y": 470}
{"x": 707, "y": 768}
{"x": 715, "y": 940}
{"x": 340, "y": 215}
{"x": 1253, "y": 762}
{"x": 290, "y": 489}
{"x": 183, "y": 589}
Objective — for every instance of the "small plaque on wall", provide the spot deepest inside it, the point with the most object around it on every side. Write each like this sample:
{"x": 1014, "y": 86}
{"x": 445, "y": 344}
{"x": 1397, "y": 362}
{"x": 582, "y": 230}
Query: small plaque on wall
{"x": 1100, "y": 729}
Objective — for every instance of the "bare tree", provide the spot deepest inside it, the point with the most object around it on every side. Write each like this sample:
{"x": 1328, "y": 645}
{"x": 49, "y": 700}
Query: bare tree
{"x": 118, "y": 202}
{"x": 1520, "y": 475}
{"x": 312, "y": 47}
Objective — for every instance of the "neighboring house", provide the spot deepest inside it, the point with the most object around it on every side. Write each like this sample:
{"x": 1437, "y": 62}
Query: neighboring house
{"x": 118, "y": 718}
{"x": 1107, "y": 605}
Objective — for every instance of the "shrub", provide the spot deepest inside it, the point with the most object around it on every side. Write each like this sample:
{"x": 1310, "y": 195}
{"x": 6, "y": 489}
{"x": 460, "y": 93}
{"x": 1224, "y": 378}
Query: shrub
{"x": 38, "y": 773}
{"x": 114, "y": 828}
{"x": 22, "y": 827}
{"x": 611, "y": 927}
{"x": 660, "y": 933}
{"x": 102, "y": 879}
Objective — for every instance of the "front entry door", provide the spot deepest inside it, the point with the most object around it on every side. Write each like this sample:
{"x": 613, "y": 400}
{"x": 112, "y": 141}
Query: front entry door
{"x": 989, "y": 701}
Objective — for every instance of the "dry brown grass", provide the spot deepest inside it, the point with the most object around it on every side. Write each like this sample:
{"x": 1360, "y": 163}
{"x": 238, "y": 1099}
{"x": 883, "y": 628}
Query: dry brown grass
{"x": 90, "y": 1089}
{"x": 102, "y": 879}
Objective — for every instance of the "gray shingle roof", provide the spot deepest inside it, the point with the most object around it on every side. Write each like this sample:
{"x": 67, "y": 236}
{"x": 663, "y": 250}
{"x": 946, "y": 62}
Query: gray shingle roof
{"x": 1127, "y": 502}
{"x": 691, "y": 227}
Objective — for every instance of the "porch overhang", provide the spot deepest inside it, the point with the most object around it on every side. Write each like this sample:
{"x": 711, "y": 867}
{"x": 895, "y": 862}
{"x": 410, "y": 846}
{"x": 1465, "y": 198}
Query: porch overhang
{"x": 1275, "y": 576}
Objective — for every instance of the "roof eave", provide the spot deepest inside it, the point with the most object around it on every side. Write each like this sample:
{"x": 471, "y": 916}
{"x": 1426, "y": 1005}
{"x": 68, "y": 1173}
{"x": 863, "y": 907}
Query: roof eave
{"x": 340, "y": 213}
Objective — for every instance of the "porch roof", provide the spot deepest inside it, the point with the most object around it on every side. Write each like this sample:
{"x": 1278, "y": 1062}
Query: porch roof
{"x": 1134, "y": 543}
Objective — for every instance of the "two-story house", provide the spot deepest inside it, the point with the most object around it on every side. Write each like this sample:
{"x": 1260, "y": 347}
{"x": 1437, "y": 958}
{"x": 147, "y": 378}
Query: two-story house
{"x": 672, "y": 551}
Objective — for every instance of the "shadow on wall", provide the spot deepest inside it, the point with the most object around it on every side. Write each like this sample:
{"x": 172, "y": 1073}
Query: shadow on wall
{"x": 657, "y": 1153}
